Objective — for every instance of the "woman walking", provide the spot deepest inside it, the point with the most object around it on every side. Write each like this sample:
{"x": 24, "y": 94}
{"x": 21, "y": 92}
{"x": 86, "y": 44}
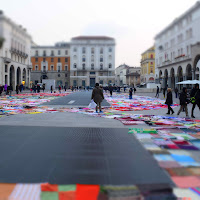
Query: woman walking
{"x": 183, "y": 101}
{"x": 97, "y": 96}
{"x": 169, "y": 101}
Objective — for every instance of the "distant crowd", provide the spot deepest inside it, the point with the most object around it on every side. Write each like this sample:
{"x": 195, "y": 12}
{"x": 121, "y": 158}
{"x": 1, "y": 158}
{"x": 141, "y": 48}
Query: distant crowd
{"x": 8, "y": 89}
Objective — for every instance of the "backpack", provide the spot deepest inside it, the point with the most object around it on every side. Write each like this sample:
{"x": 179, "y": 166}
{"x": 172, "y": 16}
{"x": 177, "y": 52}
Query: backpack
{"x": 193, "y": 99}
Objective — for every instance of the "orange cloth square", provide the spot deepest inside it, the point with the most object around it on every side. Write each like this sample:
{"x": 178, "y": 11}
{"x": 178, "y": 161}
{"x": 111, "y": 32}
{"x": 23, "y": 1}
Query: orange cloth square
{"x": 69, "y": 195}
{"x": 6, "y": 190}
{"x": 46, "y": 187}
{"x": 89, "y": 192}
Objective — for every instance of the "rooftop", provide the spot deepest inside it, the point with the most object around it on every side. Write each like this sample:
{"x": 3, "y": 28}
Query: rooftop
{"x": 92, "y": 38}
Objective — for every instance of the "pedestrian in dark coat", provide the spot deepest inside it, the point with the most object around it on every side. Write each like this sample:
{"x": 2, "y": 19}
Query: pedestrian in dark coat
{"x": 130, "y": 93}
{"x": 38, "y": 88}
{"x": 1, "y": 89}
{"x": 111, "y": 90}
{"x": 169, "y": 101}
{"x": 17, "y": 89}
{"x": 97, "y": 96}
{"x": 51, "y": 88}
{"x": 164, "y": 90}
{"x": 196, "y": 94}
{"x": 176, "y": 92}
{"x": 157, "y": 92}
{"x": 183, "y": 101}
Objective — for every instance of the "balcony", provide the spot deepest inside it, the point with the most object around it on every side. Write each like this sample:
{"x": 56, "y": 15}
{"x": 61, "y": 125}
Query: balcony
{"x": 7, "y": 60}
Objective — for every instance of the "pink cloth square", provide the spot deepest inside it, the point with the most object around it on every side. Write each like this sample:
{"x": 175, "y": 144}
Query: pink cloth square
{"x": 186, "y": 181}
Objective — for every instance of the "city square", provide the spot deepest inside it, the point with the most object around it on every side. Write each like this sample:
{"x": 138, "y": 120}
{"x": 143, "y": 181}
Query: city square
{"x": 82, "y": 119}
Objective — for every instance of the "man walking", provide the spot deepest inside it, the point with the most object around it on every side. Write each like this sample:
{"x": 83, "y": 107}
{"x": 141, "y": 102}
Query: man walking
{"x": 157, "y": 92}
{"x": 183, "y": 101}
{"x": 195, "y": 98}
{"x": 97, "y": 96}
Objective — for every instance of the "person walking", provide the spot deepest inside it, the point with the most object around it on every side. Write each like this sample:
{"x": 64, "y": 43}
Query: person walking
{"x": 195, "y": 98}
{"x": 169, "y": 101}
{"x": 176, "y": 92}
{"x": 59, "y": 88}
{"x": 183, "y": 101}
{"x": 9, "y": 90}
{"x": 157, "y": 92}
{"x": 5, "y": 88}
{"x": 38, "y": 88}
{"x": 17, "y": 89}
{"x": 164, "y": 90}
{"x": 111, "y": 90}
{"x": 1, "y": 89}
{"x": 134, "y": 89}
{"x": 51, "y": 88}
{"x": 43, "y": 87}
{"x": 97, "y": 96}
{"x": 130, "y": 93}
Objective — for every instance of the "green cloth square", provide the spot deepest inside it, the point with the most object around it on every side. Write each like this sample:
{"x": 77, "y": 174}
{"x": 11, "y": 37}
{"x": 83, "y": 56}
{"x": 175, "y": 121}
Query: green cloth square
{"x": 65, "y": 188}
{"x": 49, "y": 196}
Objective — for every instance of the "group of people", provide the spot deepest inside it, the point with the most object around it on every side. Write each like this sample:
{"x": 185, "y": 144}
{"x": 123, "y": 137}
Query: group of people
{"x": 184, "y": 100}
{"x": 8, "y": 89}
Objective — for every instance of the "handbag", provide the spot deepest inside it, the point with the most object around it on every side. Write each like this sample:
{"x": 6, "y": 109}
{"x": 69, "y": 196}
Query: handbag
{"x": 193, "y": 99}
{"x": 92, "y": 104}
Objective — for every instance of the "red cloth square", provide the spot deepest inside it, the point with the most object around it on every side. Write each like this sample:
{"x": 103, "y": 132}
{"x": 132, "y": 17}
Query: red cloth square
{"x": 69, "y": 195}
{"x": 89, "y": 192}
{"x": 46, "y": 187}
{"x": 186, "y": 181}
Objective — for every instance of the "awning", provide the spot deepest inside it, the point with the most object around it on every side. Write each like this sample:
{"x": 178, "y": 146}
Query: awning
{"x": 192, "y": 82}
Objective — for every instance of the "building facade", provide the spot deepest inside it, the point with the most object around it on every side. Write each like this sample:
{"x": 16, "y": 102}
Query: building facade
{"x": 133, "y": 77}
{"x": 15, "y": 53}
{"x": 92, "y": 60}
{"x": 120, "y": 75}
{"x": 51, "y": 62}
{"x": 177, "y": 49}
{"x": 148, "y": 66}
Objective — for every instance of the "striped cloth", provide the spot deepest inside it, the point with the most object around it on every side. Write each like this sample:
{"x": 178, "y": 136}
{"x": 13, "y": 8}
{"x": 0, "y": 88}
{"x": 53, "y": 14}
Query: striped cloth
{"x": 26, "y": 191}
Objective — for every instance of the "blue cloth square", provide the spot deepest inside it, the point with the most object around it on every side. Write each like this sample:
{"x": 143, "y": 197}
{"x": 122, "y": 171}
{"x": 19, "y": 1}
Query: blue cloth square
{"x": 182, "y": 158}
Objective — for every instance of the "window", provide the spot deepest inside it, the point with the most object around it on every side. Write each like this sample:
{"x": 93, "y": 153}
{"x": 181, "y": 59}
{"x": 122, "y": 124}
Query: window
{"x": 65, "y": 74}
{"x": 75, "y": 57}
{"x": 151, "y": 63}
{"x": 101, "y": 74}
{"x": 83, "y": 50}
{"x": 6, "y": 68}
{"x": 110, "y": 57}
{"x": 44, "y": 53}
{"x": 58, "y": 68}
{"x": 52, "y": 53}
{"x": 83, "y": 59}
{"x": 92, "y": 58}
{"x": 101, "y": 58}
{"x": 110, "y": 49}
{"x": 75, "y": 50}
{"x": 101, "y": 66}
{"x": 101, "y": 51}
{"x": 83, "y": 65}
{"x": 36, "y": 67}
{"x": 58, "y": 59}
{"x": 92, "y": 50}
{"x": 66, "y": 68}
{"x": 92, "y": 72}
{"x": 36, "y": 59}
{"x": 109, "y": 73}
{"x": 36, "y": 53}
{"x": 44, "y": 59}
{"x": 66, "y": 52}
{"x": 74, "y": 65}
{"x": 110, "y": 65}
{"x": 151, "y": 56}
{"x": 58, "y": 75}
{"x": 190, "y": 33}
{"x": 151, "y": 70}
{"x": 52, "y": 59}
{"x": 66, "y": 60}
{"x": 92, "y": 66}
{"x": 101, "y": 82}
{"x": 51, "y": 67}
{"x": 58, "y": 52}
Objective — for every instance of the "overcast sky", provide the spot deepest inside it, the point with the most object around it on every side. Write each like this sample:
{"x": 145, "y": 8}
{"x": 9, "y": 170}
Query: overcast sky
{"x": 133, "y": 23}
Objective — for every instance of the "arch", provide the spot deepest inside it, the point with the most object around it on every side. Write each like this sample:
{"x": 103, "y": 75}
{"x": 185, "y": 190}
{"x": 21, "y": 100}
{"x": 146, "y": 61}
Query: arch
{"x": 189, "y": 72}
{"x": 160, "y": 76}
{"x": 172, "y": 75}
{"x": 195, "y": 65}
{"x": 180, "y": 76}
{"x": 12, "y": 76}
{"x": 165, "y": 78}
{"x": 19, "y": 81}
